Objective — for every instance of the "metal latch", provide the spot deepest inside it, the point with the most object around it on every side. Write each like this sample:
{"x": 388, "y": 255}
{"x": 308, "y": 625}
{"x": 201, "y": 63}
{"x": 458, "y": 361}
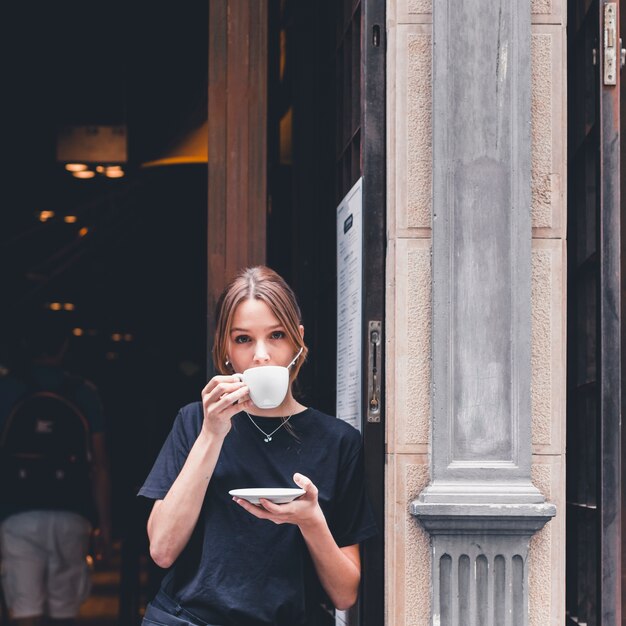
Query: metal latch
{"x": 373, "y": 370}
{"x": 610, "y": 43}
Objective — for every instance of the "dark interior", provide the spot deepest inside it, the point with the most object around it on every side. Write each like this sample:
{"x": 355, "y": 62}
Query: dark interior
{"x": 136, "y": 277}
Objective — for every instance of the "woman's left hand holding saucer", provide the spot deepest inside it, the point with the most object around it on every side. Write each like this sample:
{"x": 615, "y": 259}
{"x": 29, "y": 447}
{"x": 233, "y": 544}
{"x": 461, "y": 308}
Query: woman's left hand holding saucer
{"x": 304, "y": 511}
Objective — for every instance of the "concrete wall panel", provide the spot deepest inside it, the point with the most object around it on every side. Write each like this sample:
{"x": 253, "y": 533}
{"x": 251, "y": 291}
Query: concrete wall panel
{"x": 412, "y": 353}
{"x": 415, "y": 11}
{"x": 409, "y": 552}
{"x": 546, "y": 578}
{"x": 548, "y": 126}
{"x": 547, "y": 11}
{"x": 547, "y": 347}
{"x": 413, "y": 140}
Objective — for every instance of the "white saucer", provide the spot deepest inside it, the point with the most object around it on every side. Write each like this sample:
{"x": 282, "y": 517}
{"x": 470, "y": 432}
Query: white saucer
{"x": 275, "y": 495}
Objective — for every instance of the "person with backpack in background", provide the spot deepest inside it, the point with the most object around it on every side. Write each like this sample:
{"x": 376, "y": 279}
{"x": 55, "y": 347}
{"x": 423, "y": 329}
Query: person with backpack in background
{"x": 54, "y": 483}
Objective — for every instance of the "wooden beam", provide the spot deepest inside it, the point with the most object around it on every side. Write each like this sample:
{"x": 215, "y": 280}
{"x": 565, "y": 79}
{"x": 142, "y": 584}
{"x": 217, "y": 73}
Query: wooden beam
{"x": 237, "y": 101}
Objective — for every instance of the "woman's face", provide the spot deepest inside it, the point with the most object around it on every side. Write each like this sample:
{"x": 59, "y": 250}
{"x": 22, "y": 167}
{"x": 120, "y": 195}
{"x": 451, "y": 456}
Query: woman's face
{"x": 258, "y": 338}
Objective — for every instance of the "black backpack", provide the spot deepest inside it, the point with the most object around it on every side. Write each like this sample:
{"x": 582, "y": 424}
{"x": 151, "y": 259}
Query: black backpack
{"x": 45, "y": 453}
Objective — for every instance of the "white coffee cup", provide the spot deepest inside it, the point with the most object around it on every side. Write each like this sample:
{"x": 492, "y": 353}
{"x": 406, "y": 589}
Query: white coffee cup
{"x": 268, "y": 385}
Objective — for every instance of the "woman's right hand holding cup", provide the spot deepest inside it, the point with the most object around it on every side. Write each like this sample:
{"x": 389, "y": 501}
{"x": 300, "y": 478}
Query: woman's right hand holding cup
{"x": 223, "y": 397}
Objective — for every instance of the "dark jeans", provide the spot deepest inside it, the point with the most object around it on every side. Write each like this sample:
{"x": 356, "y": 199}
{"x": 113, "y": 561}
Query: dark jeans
{"x": 165, "y": 611}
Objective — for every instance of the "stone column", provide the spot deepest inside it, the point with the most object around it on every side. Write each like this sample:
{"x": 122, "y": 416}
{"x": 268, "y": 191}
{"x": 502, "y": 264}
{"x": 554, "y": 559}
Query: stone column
{"x": 481, "y": 508}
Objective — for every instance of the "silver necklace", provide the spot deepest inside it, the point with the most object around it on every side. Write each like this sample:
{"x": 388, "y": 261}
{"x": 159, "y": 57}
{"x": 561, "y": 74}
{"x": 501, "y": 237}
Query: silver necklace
{"x": 268, "y": 437}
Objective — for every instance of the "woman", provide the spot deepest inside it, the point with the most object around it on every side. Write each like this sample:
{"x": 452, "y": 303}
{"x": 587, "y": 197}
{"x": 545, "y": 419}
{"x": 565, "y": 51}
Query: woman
{"x": 235, "y": 563}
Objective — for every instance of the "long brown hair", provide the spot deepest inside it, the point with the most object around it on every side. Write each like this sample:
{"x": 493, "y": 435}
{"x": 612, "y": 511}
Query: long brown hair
{"x": 257, "y": 283}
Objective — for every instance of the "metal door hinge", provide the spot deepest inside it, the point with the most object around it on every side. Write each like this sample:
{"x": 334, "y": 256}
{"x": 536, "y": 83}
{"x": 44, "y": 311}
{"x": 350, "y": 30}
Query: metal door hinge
{"x": 610, "y": 43}
{"x": 374, "y": 355}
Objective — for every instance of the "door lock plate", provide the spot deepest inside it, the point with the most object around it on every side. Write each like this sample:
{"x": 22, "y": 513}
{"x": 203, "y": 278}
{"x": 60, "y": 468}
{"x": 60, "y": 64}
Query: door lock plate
{"x": 610, "y": 43}
{"x": 374, "y": 369}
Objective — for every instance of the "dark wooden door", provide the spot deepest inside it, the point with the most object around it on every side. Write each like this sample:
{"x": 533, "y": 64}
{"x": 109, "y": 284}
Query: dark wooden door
{"x": 360, "y": 152}
{"x": 593, "y": 574}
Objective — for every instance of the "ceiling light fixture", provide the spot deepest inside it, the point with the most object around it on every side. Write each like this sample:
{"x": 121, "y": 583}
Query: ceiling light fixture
{"x": 114, "y": 172}
{"x": 84, "y": 174}
{"x": 75, "y": 167}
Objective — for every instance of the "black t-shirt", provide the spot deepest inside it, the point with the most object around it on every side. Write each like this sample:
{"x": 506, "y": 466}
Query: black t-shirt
{"x": 244, "y": 570}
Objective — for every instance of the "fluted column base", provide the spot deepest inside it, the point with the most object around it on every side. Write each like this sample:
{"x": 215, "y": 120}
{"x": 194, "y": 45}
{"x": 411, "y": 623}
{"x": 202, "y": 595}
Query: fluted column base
{"x": 480, "y": 556}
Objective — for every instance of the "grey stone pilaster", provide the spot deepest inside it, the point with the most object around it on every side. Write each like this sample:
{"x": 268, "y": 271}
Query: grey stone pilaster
{"x": 481, "y": 507}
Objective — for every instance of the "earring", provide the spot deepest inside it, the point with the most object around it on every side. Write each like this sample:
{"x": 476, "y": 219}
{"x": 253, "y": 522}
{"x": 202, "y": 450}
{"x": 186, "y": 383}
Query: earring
{"x": 227, "y": 363}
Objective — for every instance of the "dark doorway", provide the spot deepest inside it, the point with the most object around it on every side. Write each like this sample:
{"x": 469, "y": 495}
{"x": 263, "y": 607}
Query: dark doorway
{"x": 130, "y": 258}
{"x": 326, "y": 121}
{"x": 139, "y": 273}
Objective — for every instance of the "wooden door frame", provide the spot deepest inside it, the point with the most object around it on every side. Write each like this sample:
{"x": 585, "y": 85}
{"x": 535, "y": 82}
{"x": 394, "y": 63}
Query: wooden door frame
{"x": 373, "y": 133}
{"x": 237, "y": 161}
{"x": 610, "y": 348}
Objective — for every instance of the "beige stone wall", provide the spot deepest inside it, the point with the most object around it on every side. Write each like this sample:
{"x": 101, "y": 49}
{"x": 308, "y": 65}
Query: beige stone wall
{"x": 549, "y": 134}
{"x": 408, "y": 328}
